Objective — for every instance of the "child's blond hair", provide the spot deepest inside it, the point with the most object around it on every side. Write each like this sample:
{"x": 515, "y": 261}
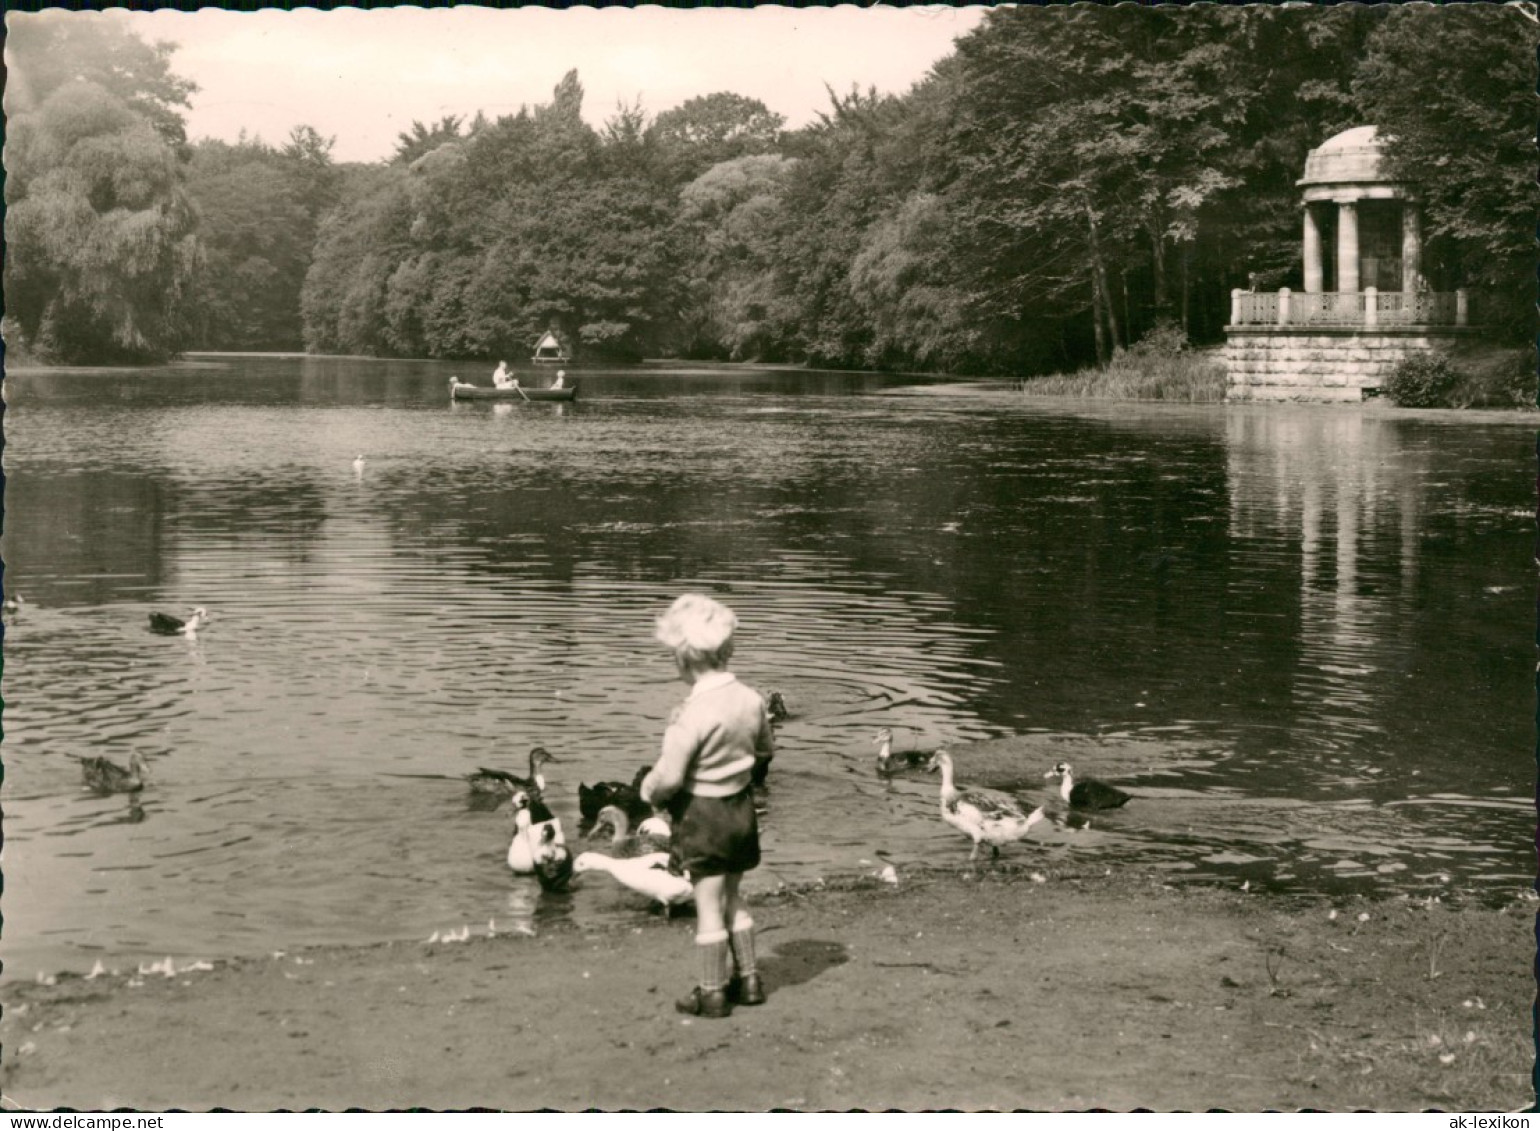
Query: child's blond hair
{"x": 698, "y": 630}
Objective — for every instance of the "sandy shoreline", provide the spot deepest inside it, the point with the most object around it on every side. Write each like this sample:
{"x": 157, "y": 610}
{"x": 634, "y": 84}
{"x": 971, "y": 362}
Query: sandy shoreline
{"x": 1080, "y": 990}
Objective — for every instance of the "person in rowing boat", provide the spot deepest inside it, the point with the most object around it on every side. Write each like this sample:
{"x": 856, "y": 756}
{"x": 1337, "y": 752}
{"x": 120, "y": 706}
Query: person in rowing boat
{"x": 561, "y": 379}
{"x": 501, "y": 378}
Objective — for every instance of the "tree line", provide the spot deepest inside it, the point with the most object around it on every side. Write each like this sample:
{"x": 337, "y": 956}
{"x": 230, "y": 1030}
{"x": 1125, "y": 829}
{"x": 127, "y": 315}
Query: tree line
{"x": 1062, "y": 183}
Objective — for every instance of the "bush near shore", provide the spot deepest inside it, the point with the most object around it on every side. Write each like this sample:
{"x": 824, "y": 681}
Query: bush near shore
{"x": 1472, "y": 376}
{"x": 1161, "y": 366}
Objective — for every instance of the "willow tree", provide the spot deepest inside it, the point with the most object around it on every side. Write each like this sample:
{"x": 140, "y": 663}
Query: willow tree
{"x": 102, "y": 257}
{"x": 729, "y": 216}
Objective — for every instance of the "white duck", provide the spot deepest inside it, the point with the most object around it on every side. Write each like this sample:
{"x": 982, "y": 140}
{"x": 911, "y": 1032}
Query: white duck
{"x": 648, "y": 875}
{"x": 985, "y": 815}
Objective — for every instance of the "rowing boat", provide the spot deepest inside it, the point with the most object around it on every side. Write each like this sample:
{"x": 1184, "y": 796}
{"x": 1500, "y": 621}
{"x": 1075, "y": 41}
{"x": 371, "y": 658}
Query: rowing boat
{"x": 462, "y": 392}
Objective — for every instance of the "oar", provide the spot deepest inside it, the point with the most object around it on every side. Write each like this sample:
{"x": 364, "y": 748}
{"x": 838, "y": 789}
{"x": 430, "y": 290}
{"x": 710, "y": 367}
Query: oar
{"x": 522, "y": 393}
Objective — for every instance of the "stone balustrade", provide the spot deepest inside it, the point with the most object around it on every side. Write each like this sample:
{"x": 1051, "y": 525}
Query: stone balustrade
{"x": 1365, "y": 309}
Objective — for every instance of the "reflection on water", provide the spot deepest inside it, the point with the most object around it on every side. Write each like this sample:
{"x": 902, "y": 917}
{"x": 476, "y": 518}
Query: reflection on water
{"x": 1297, "y": 636}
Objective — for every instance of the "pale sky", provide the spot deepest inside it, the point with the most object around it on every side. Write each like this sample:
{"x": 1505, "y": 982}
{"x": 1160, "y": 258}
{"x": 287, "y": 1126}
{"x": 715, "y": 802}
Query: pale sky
{"x": 363, "y": 76}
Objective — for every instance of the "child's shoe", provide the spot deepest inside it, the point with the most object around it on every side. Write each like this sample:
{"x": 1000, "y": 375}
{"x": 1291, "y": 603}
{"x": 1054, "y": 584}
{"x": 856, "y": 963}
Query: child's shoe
{"x": 746, "y": 990}
{"x": 704, "y": 1003}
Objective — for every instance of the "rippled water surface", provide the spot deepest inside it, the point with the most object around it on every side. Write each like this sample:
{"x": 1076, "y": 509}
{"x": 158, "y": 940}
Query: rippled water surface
{"x": 1299, "y": 636}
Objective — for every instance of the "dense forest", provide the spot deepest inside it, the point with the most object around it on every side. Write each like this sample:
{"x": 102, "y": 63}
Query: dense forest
{"x": 1065, "y": 181}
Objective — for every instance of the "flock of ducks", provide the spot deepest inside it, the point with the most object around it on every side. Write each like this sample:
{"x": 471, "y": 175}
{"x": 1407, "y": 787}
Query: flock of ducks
{"x": 103, "y": 775}
{"x": 640, "y": 861}
{"x": 538, "y": 848}
{"x": 637, "y": 860}
{"x": 991, "y": 816}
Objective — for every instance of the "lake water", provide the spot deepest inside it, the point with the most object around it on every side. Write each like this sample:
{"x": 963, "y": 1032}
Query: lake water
{"x": 1300, "y": 636}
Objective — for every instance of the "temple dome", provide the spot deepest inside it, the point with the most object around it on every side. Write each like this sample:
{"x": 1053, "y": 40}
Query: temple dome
{"x": 1351, "y": 139}
{"x": 1354, "y": 156}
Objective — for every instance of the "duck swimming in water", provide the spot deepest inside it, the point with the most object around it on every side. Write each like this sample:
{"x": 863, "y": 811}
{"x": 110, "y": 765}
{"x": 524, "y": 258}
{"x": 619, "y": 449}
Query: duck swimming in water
{"x": 538, "y": 846}
{"x": 593, "y": 798}
{"x": 889, "y": 763}
{"x": 1086, "y": 794}
{"x": 775, "y": 707}
{"x": 173, "y": 626}
{"x": 105, "y": 776}
{"x": 553, "y": 868}
{"x": 13, "y": 604}
{"x": 502, "y": 782}
{"x": 985, "y": 815}
{"x": 648, "y": 875}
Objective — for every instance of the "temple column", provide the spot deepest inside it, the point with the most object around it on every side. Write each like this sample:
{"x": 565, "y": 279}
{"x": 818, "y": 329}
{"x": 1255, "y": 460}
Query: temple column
{"x": 1411, "y": 247}
{"x": 1313, "y": 272}
{"x": 1347, "y": 246}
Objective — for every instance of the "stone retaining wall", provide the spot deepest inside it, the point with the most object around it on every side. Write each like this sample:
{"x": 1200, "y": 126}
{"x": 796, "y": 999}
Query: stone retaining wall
{"x": 1300, "y": 363}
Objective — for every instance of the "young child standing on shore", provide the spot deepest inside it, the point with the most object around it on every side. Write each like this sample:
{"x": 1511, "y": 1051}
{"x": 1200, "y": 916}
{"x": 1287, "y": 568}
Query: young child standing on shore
{"x": 711, "y": 745}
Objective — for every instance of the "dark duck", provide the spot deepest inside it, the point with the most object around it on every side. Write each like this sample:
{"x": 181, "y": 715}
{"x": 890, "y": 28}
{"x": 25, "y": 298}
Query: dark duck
{"x": 889, "y": 763}
{"x": 1086, "y": 793}
{"x": 501, "y": 783}
{"x": 168, "y": 625}
{"x": 105, "y": 776}
{"x": 625, "y": 797}
{"x": 775, "y": 707}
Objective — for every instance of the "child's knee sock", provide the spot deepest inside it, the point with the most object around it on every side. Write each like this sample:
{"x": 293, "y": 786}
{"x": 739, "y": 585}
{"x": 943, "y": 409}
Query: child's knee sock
{"x": 743, "y": 944}
{"x": 715, "y": 960}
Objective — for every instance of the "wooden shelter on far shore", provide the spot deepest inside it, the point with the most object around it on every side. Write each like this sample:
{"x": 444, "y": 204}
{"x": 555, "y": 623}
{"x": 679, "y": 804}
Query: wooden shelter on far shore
{"x": 549, "y": 349}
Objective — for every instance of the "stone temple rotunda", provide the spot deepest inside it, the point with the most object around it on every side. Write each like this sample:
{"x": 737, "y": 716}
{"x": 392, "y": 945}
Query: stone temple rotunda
{"x": 1365, "y": 303}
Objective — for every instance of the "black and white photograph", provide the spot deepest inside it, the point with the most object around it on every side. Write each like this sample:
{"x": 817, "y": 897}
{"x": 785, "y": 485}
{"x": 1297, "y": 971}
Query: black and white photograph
{"x": 769, "y": 559}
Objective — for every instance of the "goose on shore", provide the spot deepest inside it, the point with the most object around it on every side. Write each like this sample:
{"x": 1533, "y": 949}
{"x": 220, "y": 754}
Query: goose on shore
{"x": 889, "y": 763}
{"x": 168, "y": 625}
{"x": 1086, "y": 793}
{"x": 486, "y": 780}
{"x": 647, "y": 875}
{"x": 105, "y": 776}
{"x": 986, "y": 816}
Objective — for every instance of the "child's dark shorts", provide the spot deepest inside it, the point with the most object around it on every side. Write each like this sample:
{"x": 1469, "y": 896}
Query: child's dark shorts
{"x": 714, "y": 836}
